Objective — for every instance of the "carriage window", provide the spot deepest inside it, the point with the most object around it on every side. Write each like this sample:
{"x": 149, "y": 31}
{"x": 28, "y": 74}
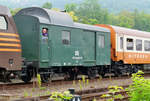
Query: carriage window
{"x": 66, "y": 37}
{"x": 147, "y": 45}
{"x": 45, "y": 32}
{"x": 3, "y": 23}
{"x": 121, "y": 42}
{"x": 101, "y": 41}
{"x": 138, "y": 45}
{"x": 129, "y": 44}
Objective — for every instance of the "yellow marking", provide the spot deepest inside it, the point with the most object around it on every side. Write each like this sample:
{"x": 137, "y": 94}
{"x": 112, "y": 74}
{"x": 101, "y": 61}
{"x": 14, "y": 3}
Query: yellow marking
{"x": 8, "y": 44}
{"x": 9, "y": 34}
{"x": 10, "y": 50}
{"x": 9, "y": 39}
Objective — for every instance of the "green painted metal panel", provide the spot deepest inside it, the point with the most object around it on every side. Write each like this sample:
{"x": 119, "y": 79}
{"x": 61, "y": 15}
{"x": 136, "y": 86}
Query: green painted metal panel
{"x": 28, "y": 29}
{"x": 83, "y": 49}
{"x": 103, "y": 48}
{"x": 44, "y": 47}
{"x": 80, "y": 52}
{"x": 64, "y": 55}
{"x": 89, "y": 48}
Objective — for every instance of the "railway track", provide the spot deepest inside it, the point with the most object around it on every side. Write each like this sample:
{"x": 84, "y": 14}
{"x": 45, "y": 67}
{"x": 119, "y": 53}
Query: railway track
{"x": 86, "y": 95}
{"x": 90, "y": 95}
{"x": 55, "y": 82}
{"x": 61, "y": 80}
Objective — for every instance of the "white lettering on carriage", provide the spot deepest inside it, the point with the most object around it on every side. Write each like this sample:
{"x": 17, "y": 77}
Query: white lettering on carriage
{"x": 142, "y": 56}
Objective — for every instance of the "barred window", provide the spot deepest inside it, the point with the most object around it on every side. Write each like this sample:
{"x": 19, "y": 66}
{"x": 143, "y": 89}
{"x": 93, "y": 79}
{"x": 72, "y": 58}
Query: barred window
{"x": 66, "y": 37}
{"x": 3, "y": 23}
{"x": 130, "y": 44}
{"x": 101, "y": 41}
{"x": 138, "y": 45}
{"x": 147, "y": 45}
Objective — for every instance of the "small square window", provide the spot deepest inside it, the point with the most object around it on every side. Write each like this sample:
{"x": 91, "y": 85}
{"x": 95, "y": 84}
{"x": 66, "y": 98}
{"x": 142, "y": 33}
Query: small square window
{"x": 66, "y": 37}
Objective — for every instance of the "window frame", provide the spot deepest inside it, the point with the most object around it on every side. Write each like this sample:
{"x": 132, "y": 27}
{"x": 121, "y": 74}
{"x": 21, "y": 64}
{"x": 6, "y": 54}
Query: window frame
{"x": 145, "y": 45}
{"x": 62, "y": 40}
{"x": 6, "y": 20}
{"x": 141, "y": 47}
{"x": 100, "y": 45}
{"x": 132, "y": 44}
{"x": 121, "y": 48}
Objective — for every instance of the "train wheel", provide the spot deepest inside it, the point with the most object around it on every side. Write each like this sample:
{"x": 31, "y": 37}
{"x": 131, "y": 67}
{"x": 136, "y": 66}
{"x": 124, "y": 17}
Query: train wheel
{"x": 26, "y": 79}
{"x": 102, "y": 73}
{"x": 118, "y": 72}
{"x": 71, "y": 76}
{"x": 6, "y": 76}
{"x": 135, "y": 70}
{"x": 45, "y": 78}
{"x": 91, "y": 74}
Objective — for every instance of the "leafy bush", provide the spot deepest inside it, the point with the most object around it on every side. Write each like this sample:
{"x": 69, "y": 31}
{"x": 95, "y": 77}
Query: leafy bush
{"x": 139, "y": 90}
{"x": 58, "y": 96}
{"x": 112, "y": 96}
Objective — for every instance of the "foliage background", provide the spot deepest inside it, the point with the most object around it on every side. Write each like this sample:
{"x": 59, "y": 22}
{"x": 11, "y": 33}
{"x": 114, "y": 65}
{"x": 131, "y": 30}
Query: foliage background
{"x": 93, "y": 12}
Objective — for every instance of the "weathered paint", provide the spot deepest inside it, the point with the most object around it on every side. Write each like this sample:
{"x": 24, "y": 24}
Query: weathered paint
{"x": 10, "y": 47}
{"x": 51, "y": 52}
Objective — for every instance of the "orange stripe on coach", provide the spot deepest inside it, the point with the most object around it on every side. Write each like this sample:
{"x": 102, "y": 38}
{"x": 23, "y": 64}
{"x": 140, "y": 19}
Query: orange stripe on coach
{"x": 11, "y": 45}
{"x": 10, "y": 50}
{"x": 9, "y": 39}
{"x": 9, "y": 34}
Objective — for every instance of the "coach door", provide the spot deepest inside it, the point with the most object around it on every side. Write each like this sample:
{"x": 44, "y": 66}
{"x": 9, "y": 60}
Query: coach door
{"x": 102, "y": 49}
{"x": 44, "y": 45}
{"x": 120, "y": 46}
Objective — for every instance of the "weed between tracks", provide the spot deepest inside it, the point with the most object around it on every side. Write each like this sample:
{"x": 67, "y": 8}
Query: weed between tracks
{"x": 113, "y": 93}
{"x": 55, "y": 96}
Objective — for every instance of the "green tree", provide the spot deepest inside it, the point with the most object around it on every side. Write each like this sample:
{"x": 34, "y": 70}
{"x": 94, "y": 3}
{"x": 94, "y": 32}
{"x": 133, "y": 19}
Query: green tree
{"x": 70, "y": 7}
{"x": 90, "y": 12}
{"x": 126, "y": 19}
{"x": 14, "y": 11}
{"x": 142, "y": 21}
{"x": 47, "y": 5}
{"x": 72, "y": 14}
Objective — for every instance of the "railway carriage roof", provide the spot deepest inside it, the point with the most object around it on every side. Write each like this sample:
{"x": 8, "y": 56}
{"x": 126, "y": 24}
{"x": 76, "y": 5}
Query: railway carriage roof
{"x": 4, "y": 11}
{"x": 90, "y": 27}
{"x": 131, "y": 32}
{"x": 48, "y": 16}
{"x": 57, "y": 18}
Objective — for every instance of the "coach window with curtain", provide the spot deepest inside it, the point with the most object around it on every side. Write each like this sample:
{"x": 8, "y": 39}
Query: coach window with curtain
{"x": 130, "y": 44}
{"x": 3, "y": 23}
{"x": 138, "y": 45}
{"x": 147, "y": 45}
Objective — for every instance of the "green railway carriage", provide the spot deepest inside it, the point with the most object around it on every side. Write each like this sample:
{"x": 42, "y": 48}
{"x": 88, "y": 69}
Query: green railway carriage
{"x": 53, "y": 43}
